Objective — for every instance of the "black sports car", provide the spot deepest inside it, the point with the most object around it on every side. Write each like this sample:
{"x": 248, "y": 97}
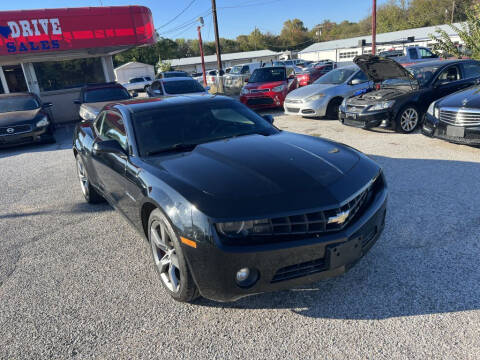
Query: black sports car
{"x": 455, "y": 118}
{"x": 402, "y": 95}
{"x": 231, "y": 205}
{"x": 24, "y": 119}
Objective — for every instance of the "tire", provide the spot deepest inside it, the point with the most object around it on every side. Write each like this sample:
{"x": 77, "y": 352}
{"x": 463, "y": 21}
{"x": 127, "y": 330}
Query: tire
{"x": 332, "y": 109}
{"x": 169, "y": 260}
{"x": 407, "y": 119}
{"x": 89, "y": 192}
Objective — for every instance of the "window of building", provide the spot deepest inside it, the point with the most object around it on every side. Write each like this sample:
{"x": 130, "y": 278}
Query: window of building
{"x": 348, "y": 54}
{"x": 56, "y": 75}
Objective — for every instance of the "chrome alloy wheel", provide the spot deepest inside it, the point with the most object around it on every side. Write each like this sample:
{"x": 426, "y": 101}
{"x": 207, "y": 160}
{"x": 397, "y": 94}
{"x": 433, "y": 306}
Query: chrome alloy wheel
{"x": 82, "y": 176}
{"x": 164, "y": 255}
{"x": 409, "y": 119}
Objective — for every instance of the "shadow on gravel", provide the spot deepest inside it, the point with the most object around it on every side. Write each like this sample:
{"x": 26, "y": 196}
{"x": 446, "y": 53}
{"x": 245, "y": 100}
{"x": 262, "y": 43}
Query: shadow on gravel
{"x": 63, "y": 136}
{"x": 425, "y": 262}
{"x": 77, "y": 208}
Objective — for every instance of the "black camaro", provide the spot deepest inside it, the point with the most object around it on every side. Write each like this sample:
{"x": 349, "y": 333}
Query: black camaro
{"x": 455, "y": 118}
{"x": 402, "y": 95}
{"x": 24, "y": 119}
{"x": 230, "y": 204}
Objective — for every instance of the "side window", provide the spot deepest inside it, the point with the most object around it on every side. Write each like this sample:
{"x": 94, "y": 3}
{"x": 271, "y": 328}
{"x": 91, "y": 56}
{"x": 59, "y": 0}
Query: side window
{"x": 114, "y": 129}
{"x": 448, "y": 75}
{"x": 413, "y": 53}
{"x": 245, "y": 69}
{"x": 99, "y": 122}
{"x": 156, "y": 88}
{"x": 471, "y": 70}
{"x": 360, "y": 76}
{"x": 426, "y": 54}
{"x": 290, "y": 71}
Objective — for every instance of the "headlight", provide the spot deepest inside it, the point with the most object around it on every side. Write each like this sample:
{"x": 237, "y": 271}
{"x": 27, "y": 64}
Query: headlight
{"x": 381, "y": 105}
{"x": 43, "y": 122}
{"x": 433, "y": 110}
{"x": 244, "y": 91}
{"x": 245, "y": 228}
{"x": 279, "y": 88}
{"x": 315, "y": 97}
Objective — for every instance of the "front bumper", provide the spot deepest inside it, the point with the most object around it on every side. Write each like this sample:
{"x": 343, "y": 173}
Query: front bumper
{"x": 265, "y": 100}
{"x": 367, "y": 120}
{"x": 287, "y": 264}
{"x": 310, "y": 108}
{"x": 36, "y": 135}
{"x": 455, "y": 134}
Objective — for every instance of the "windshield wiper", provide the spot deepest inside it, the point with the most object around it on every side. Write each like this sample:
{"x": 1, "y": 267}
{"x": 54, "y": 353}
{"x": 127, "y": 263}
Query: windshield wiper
{"x": 175, "y": 147}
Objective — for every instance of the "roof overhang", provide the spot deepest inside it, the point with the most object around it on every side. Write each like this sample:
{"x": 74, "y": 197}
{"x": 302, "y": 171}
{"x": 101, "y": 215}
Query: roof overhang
{"x": 60, "y": 34}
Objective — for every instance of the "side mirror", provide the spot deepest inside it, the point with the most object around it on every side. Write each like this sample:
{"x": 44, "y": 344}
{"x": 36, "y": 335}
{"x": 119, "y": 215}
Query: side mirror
{"x": 246, "y": 79}
{"x": 109, "y": 146}
{"x": 78, "y": 102}
{"x": 356, "y": 82}
{"x": 134, "y": 94}
{"x": 47, "y": 105}
{"x": 269, "y": 118}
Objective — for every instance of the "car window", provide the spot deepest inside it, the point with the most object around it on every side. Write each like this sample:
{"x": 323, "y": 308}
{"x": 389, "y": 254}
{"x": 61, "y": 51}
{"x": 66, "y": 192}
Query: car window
{"x": 99, "y": 122}
{"x": 471, "y": 70}
{"x": 20, "y": 103}
{"x": 156, "y": 88}
{"x": 337, "y": 76}
{"x": 413, "y": 53}
{"x": 106, "y": 94}
{"x": 245, "y": 69}
{"x": 290, "y": 71}
{"x": 426, "y": 54}
{"x": 148, "y": 78}
{"x": 450, "y": 74}
{"x": 360, "y": 76}
{"x": 268, "y": 75}
{"x": 113, "y": 128}
{"x": 182, "y": 87}
{"x": 136, "y": 80}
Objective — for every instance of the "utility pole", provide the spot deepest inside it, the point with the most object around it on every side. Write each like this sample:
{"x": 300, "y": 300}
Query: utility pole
{"x": 374, "y": 26}
{"x": 453, "y": 11}
{"x": 217, "y": 46}
{"x": 200, "y": 45}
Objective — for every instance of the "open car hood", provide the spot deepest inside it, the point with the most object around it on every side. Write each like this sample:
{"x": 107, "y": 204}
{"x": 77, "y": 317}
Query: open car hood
{"x": 379, "y": 68}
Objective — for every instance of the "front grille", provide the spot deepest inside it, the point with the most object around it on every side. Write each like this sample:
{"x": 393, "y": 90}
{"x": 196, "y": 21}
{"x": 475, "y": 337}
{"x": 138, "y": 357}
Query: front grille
{"x": 256, "y": 91}
{"x": 293, "y": 101}
{"x": 355, "y": 108}
{"x": 293, "y": 227}
{"x": 17, "y": 129}
{"x": 299, "y": 270}
{"x": 462, "y": 117}
{"x": 292, "y": 110}
{"x": 260, "y": 101}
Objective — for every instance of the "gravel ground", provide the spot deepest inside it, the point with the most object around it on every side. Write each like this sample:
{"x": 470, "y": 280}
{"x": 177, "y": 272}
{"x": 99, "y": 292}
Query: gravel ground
{"x": 77, "y": 282}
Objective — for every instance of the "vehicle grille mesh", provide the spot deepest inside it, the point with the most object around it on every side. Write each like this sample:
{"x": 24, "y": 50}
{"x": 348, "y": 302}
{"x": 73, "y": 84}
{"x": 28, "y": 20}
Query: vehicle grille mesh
{"x": 260, "y": 101}
{"x": 17, "y": 129}
{"x": 460, "y": 117}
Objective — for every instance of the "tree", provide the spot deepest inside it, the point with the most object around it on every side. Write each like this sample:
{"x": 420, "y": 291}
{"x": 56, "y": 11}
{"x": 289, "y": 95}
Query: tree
{"x": 294, "y": 34}
{"x": 469, "y": 33}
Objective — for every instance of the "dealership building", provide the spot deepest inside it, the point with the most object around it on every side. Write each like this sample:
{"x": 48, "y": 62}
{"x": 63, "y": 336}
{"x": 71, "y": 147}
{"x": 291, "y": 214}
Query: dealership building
{"x": 54, "y": 52}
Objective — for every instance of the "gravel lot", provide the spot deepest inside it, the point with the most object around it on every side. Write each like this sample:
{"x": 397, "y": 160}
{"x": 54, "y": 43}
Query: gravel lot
{"x": 77, "y": 282}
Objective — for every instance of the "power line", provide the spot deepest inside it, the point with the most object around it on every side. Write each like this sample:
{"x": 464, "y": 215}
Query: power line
{"x": 187, "y": 23}
{"x": 180, "y": 13}
{"x": 249, "y": 3}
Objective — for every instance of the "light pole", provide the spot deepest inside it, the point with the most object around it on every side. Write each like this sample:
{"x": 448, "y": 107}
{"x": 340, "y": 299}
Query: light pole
{"x": 374, "y": 26}
{"x": 200, "y": 45}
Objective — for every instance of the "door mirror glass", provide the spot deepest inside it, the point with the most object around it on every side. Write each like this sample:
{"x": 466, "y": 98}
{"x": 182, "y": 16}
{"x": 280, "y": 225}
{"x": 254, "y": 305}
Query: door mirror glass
{"x": 356, "y": 81}
{"x": 108, "y": 146}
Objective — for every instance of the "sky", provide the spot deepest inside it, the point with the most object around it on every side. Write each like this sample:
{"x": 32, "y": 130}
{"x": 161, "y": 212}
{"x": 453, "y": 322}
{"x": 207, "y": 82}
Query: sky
{"x": 176, "y": 18}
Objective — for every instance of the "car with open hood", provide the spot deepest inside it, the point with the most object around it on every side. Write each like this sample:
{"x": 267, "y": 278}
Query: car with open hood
{"x": 324, "y": 96}
{"x": 24, "y": 119}
{"x": 456, "y": 118}
{"x": 230, "y": 205}
{"x": 402, "y": 95}
{"x": 268, "y": 87}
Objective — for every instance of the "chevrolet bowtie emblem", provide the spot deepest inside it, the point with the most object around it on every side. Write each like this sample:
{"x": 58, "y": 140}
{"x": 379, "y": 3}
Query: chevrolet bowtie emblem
{"x": 340, "y": 218}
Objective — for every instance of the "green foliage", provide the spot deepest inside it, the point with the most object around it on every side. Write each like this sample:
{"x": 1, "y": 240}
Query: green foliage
{"x": 164, "y": 66}
{"x": 469, "y": 33}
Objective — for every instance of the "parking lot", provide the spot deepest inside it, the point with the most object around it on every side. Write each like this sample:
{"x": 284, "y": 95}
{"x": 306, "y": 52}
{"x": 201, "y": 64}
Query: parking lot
{"x": 77, "y": 281}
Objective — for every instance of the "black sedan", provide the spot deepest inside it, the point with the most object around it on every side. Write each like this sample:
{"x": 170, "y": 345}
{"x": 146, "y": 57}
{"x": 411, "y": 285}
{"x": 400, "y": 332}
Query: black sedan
{"x": 455, "y": 118}
{"x": 24, "y": 119}
{"x": 231, "y": 205}
{"x": 402, "y": 95}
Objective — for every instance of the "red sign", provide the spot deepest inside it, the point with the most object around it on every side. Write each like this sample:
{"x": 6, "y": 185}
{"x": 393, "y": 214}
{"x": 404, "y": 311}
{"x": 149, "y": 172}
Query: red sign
{"x": 32, "y": 31}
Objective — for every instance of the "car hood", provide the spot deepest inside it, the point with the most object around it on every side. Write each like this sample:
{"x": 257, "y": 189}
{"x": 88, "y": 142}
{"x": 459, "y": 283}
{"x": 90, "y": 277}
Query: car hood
{"x": 255, "y": 175}
{"x": 263, "y": 85}
{"x": 379, "y": 69}
{"x": 96, "y": 107}
{"x": 469, "y": 98}
{"x": 309, "y": 90}
{"x": 17, "y": 117}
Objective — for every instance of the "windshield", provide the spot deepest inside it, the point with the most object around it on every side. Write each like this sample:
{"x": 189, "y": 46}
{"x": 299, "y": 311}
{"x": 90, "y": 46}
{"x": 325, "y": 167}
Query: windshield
{"x": 164, "y": 128}
{"x": 106, "y": 94}
{"x": 10, "y": 104}
{"x": 423, "y": 74}
{"x": 182, "y": 87}
{"x": 337, "y": 76}
{"x": 268, "y": 75}
{"x": 236, "y": 70}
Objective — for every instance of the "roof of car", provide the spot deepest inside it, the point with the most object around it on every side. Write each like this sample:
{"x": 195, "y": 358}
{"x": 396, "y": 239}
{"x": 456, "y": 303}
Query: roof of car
{"x": 101, "y": 85}
{"x": 17, "y": 94}
{"x": 145, "y": 104}
{"x": 438, "y": 62}
{"x": 178, "y": 78}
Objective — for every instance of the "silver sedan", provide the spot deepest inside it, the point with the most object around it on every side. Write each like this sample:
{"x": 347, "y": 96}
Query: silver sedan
{"x": 324, "y": 96}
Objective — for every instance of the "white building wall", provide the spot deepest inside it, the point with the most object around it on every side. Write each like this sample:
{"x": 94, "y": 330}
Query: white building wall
{"x": 135, "y": 69}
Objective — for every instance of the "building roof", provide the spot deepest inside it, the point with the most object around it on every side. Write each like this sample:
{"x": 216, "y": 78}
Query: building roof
{"x": 402, "y": 35}
{"x": 132, "y": 63}
{"x": 225, "y": 57}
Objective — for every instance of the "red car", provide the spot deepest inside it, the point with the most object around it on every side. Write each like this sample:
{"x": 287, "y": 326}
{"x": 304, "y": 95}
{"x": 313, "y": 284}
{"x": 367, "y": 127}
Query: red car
{"x": 308, "y": 75}
{"x": 268, "y": 87}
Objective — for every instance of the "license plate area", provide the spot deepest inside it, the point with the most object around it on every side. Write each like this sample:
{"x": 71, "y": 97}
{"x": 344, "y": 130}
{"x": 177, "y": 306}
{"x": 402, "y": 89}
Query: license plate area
{"x": 352, "y": 116}
{"x": 342, "y": 254}
{"x": 456, "y": 131}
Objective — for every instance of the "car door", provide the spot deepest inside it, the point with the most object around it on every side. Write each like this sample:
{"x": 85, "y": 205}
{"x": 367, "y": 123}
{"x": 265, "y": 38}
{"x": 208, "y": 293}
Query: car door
{"x": 471, "y": 72}
{"x": 110, "y": 167}
{"x": 448, "y": 81}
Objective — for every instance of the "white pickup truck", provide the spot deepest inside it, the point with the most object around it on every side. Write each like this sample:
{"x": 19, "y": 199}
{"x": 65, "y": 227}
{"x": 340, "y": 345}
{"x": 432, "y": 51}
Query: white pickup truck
{"x": 138, "y": 84}
{"x": 410, "y": 54}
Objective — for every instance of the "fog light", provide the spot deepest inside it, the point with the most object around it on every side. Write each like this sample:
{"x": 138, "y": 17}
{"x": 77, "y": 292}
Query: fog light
{"x": 243, "y": 275}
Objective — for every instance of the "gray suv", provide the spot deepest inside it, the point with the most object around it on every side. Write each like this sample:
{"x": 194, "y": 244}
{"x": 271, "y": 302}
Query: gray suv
{"x": 324, "y": 96}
